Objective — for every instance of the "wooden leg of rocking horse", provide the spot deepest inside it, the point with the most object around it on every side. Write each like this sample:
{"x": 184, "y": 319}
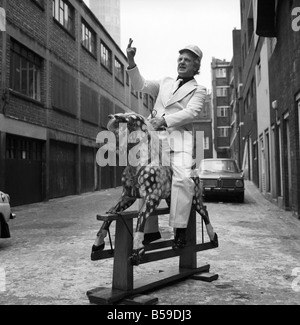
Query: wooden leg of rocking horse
{"x": 123, "y": 270}
{"x": 122, "y": 281}
{"x": 189, "y": 260}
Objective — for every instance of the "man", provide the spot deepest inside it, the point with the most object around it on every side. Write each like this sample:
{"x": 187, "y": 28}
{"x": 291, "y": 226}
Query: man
{"x": 178, "y": 104}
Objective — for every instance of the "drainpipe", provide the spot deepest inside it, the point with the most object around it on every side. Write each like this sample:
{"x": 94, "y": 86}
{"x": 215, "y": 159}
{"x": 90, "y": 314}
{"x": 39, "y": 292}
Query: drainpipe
{"x": 4, "y": 89}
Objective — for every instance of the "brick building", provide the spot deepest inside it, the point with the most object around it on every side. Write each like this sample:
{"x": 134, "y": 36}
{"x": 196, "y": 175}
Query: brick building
{"x": 204, "y": 124}
{"x": 221, "y": 98}
{"x": 250, "y": 54}
{"x": 62, "y": 74}
{"x": 236, "y": 101}
{"x": 279, "y": 22}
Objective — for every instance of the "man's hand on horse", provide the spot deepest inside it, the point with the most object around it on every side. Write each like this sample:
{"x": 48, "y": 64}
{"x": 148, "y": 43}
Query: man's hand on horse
{"x": 158, "y": 123}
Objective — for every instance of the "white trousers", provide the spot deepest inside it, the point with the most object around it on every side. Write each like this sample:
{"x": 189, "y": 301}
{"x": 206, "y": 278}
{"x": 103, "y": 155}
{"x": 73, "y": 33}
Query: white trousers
{"x": 181, "y": 195}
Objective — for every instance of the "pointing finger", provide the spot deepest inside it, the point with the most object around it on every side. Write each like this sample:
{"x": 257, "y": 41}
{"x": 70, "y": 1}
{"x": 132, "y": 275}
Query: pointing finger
{"x": 130, "y": 43}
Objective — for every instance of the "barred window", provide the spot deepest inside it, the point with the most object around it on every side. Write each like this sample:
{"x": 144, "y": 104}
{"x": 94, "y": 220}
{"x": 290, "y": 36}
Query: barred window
{"x": 106, "y": 57}
{"x": 63, "y": 12}
{"x": 20, "y": 148}
{"x": 223, "y": 132}
{"x": 222, "y": 111}
{"x": 88, "y": 38}
{"x": 119, "y": 70}
{"x": 25, "y": 71}
{"x": 221, "y": 73}
{"x": 222, "y": 92}
{"x": 206, "y": 143}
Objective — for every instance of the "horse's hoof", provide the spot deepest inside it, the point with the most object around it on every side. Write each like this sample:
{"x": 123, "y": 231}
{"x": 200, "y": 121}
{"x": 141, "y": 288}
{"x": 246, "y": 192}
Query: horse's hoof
{"x": 112, "y": 211}
{"x": 178, "y": 244}
{"x": 137, "y": 256}
{"x": 149, "y": 238}
{"x": 215, "y": 241}
{"x": 97, "y": 252}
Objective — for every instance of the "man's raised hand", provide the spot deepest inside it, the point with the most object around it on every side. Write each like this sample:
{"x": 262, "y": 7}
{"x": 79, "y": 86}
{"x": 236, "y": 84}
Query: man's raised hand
{"x": 131, "y": 51}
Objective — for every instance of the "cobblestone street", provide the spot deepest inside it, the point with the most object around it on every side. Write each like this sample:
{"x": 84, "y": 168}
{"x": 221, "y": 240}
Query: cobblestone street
{"x": 47, "y": 260}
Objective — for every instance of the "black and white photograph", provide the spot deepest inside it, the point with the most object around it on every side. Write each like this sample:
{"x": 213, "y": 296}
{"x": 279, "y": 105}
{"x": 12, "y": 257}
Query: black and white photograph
{"x": 149, "y": 155}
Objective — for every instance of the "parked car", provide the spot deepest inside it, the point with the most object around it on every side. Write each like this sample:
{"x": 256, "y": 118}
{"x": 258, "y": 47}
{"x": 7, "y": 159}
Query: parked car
{"x": 222, "y": 177}
{"x": 5, "y": 215}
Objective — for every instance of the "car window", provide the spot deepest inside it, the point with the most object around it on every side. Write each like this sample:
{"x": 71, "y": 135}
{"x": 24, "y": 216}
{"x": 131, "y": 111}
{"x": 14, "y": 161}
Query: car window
{"x": 219, "y": 166}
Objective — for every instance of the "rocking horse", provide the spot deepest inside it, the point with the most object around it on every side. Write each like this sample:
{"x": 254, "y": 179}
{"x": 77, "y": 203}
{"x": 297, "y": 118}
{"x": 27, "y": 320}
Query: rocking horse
{"x": 148, "y": 179}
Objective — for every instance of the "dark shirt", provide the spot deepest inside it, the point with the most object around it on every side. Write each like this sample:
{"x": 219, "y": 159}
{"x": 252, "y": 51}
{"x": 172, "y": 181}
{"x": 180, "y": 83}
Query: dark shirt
{"x": 183, "y": 81}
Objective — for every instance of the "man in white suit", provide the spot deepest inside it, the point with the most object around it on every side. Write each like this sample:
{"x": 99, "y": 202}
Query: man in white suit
{"x": 178, "y": 104}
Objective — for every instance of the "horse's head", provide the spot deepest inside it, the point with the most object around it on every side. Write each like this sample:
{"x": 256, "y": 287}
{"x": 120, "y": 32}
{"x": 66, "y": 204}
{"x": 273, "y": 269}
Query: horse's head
{"x": 131, "y": 130}
{"x": 132, "y": 122}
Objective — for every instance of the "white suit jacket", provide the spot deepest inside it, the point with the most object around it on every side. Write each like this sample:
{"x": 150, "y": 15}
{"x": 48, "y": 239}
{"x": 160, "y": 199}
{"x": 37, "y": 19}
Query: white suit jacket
{"x": 179, "y": 109}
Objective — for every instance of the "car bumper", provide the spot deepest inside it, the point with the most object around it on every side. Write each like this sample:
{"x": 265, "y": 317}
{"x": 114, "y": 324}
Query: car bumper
{"x": 218, "y": 190}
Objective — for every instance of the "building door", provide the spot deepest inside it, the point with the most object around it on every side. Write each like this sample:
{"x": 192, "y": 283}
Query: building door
{"x": 262, "y": 166}
{"x": 87, "y": 169}
{"x": 267, "y": 156}
{"x": 287, "y": 157}
{"x": 62, "y": 175}
{"x": 23, "y": 169}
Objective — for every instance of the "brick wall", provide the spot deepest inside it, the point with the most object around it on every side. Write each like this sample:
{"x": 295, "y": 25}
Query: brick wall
{"x": 284, "y": 85}
{"x": 72, "y": 120}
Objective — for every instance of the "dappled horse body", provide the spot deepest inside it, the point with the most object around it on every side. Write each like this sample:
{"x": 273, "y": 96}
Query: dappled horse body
{"x": 146, "y": 178}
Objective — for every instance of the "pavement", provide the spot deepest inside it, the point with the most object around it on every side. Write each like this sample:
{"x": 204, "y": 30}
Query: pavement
{"x": 47, "y": 260}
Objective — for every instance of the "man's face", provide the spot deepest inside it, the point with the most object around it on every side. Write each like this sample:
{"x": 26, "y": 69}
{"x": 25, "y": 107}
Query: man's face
{"x": 186, "y": 65}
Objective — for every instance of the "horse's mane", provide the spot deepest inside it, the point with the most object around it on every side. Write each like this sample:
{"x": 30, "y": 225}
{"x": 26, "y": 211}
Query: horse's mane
{"x": 154, "y": 144}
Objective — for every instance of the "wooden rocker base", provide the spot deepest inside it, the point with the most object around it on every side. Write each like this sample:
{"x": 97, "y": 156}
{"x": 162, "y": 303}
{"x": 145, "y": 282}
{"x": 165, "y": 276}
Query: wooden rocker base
{"x": 123, "y": 284}
{"x": 102, "y": 296}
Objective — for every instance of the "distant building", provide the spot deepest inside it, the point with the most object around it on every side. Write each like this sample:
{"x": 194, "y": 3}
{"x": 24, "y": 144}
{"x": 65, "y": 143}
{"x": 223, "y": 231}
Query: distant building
{"x": 204, "y": 124}
{"x": 108, "y": 13}
{"x": 236, "y": 102}
{"x": 221, "y": 98}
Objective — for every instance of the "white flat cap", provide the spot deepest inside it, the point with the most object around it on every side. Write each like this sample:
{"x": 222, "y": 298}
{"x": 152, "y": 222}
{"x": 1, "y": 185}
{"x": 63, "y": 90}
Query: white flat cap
{"x": 193, "y": 48}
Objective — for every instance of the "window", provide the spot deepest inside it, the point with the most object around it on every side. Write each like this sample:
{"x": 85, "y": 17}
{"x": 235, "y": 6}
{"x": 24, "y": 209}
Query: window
{"x": 88, "y": 38}
{"x": 246, "y": 106}
{"x": 258, "y": 71}
{"x": 222, "y": 111}
{"x": 20, "y": 148}
{"x": 221, "y": 73}
{"x": 64, "y": 14}
{"x": 223, "y": 132}
{"x": 206, "y": 143}
{"x": 145, "y": 100}
{"x": 134, "y": 92}
{"x": 106, "y": 57}
{"x": 64, "y": 91}
{"x": 298, "y": 107}
{"x": 127, "y": 78}
{"x": 25, "y": 71}
{"x": 119, "y": 70}
{"x": 222, "y": 92}
{"x": 250, "y": 29}
{"x": 151, "y": 102}
{"x": 273, "y": 43}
